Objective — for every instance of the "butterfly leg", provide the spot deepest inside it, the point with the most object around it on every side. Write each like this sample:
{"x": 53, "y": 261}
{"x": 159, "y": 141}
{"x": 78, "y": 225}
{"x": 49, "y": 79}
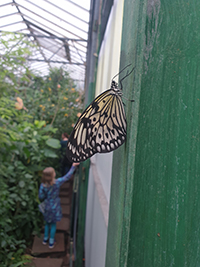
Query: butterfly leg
{"x": 127, "y": 74}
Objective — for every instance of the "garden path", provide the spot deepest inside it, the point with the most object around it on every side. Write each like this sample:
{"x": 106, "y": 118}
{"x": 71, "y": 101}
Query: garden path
{"x": 58, "y": 256}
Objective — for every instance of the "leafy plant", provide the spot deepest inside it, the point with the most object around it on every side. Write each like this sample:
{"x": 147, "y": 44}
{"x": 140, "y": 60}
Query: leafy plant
{"x": 54, "y": 99}
{"x": 28, "y": 149}
{"x": 34, "y": 111}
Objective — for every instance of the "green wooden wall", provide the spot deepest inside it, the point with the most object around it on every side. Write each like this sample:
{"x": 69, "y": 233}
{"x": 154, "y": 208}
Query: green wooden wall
{"x": 155, "y": 194}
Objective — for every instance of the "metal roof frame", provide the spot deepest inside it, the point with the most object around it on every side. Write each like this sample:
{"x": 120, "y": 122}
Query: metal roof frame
{"x": 59, "y": 28}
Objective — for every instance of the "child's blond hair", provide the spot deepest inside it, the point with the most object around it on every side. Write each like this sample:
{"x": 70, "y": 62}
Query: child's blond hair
{"x": 48, "y": 175}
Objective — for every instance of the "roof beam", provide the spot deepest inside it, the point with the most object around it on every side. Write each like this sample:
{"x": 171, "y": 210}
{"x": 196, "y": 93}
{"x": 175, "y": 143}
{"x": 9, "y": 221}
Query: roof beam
{"x": 66, "y": 11}
{"x": 55, "y": 16}
{"x": 29, "y": 30}
{"x": 24, "y": 15}
{"x": 42, "y": 29}
{"x": 55, "y": 61}
{"x": 77, "y": 5}
{"x": 48, "y": 37}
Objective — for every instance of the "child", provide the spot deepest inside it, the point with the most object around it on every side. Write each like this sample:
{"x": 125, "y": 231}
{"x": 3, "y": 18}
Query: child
{"x": 49, "y": 193}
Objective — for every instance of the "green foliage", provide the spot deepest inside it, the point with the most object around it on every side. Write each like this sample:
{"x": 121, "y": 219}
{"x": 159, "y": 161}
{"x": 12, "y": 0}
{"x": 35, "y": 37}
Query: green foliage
{"x": 13, "y": 65}
{"x": 29, "y": 142}
{"x": 54, "y": 99}
{"x": 26, "y": 149}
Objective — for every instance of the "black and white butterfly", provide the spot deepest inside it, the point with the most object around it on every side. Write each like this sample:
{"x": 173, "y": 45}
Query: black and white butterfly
{"x": 101, "y": 128}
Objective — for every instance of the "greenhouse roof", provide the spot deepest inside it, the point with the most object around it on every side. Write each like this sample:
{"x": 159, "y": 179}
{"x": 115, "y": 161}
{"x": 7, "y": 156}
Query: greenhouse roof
{"x": 59, "y": 28}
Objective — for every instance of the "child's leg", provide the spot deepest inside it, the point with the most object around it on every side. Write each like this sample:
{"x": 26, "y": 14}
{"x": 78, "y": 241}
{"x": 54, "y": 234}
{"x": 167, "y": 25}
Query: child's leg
{"x": 46, "y": 231}
{"x": 52, "y": 233}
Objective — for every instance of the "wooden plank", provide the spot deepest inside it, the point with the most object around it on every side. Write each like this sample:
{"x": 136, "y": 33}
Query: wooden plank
{"x": 155, "y": 197}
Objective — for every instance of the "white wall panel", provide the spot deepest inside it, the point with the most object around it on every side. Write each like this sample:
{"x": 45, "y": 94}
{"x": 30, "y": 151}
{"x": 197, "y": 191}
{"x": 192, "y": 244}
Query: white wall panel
{"x": 101, "y": 164}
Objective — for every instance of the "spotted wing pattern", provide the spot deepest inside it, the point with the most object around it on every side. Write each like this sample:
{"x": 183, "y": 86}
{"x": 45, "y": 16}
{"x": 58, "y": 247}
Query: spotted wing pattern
{"x": 100, "y": 129}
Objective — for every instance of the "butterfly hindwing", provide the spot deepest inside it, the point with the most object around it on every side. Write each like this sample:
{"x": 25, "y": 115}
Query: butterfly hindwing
{"x": 100, "y": 128}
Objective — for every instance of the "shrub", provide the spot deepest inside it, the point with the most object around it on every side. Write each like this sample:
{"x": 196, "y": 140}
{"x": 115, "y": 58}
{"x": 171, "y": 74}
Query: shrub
{"x": 34, "y": 111}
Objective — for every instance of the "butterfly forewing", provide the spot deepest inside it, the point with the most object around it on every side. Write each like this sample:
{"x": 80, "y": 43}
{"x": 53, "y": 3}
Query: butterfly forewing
{"x": 101, "y": 127}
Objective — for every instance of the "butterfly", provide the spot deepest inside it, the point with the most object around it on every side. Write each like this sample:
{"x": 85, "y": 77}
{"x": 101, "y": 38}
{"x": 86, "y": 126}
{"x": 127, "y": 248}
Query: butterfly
{"x": 101, "y": 128}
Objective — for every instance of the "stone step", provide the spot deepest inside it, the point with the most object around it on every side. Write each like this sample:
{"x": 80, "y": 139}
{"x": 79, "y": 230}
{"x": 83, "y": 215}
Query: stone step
{"x": 66, "y": 261}
{"x": 65, "y": 186}
{"x": 64, "y": 195}
{"x": 65, "y": 210}
{"x": 46, "y": 262}
{"x": 60, "y": 247}
{"x": 65, "y": 200}
{"x": 63, "y": 225}
{"x": 39, "y": 248}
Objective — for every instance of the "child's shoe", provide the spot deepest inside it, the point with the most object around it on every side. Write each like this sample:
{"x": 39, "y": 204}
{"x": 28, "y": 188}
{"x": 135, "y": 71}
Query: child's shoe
{"x": 44, "y": 241}
{"x": 51, "y": 244}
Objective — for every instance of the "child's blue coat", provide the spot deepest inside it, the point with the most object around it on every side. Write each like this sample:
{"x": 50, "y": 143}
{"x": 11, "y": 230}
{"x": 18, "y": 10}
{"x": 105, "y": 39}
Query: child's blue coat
{"x": 50, "y": 195}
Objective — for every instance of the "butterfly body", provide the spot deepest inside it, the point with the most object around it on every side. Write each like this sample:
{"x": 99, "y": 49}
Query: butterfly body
{"x": 101, "y": 128}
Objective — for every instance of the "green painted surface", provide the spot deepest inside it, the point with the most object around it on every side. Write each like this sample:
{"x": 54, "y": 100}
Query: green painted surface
{"x": 155, "y": 194}
{"x": 82, "y": 201}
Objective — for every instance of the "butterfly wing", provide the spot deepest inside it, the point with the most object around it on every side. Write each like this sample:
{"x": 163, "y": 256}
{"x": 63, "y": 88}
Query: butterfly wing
{"x": 100, "y": 128}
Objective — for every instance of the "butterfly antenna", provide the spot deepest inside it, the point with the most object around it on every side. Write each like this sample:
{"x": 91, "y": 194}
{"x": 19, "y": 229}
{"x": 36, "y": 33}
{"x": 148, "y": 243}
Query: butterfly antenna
{"x": 127, "y": 74}
{"x": 121, "y": 71}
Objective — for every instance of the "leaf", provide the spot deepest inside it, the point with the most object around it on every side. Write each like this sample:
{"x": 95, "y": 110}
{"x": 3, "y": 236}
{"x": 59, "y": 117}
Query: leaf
{"x": 27, "y": 129}
{"x": 21, "y": 184}
{"x": 28, "y": 176}
{"x": 24, "y": 88}
{"x": 39, "y": 124}
{"x": 23, "y": 203}
{"x": 49, "y": 128}
{"x": 13, "y": 136}
{"x": 21, "y": 263}
{"x": 13, "y": 195}
{"x": 36, "y": 122}
{"x": 3, "y": 243}
{"x": 26, "y": 151}
{"x": 52, "y": 142}
{"x": 49, "y": 153}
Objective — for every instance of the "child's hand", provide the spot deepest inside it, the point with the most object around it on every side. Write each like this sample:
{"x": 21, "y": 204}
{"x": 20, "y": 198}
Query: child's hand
{"x": 75, "y": 164}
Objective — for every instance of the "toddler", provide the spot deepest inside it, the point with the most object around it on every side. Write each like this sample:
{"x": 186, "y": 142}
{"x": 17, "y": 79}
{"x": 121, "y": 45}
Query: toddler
{"x": 49, "y": 193}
